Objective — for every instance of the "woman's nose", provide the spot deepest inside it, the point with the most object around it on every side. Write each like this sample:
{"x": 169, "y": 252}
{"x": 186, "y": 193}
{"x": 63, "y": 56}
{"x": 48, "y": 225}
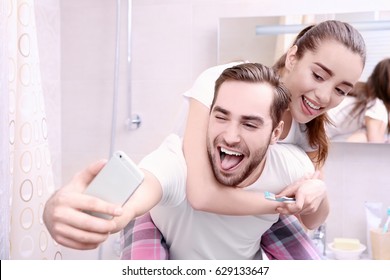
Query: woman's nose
{"x": 323, "y": 95}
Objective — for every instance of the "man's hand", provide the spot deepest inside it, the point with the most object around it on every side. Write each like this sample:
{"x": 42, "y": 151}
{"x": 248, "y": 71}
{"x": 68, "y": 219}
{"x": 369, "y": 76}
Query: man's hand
{"x": 64, "y": 214}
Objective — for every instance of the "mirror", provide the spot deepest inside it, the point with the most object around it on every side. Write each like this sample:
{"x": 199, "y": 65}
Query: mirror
{"x": 265, "y": 39}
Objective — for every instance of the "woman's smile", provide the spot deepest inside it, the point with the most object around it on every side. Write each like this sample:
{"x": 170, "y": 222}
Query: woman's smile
{"x": 310, "y": 107}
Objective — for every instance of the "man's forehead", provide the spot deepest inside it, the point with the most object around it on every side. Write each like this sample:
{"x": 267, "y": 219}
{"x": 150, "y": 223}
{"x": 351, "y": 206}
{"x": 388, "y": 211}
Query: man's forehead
{"x": 245, "y": 97}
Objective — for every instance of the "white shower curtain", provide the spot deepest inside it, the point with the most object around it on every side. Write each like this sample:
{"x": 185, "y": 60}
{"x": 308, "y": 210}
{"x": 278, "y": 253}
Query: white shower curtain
{"x": 4, "y": 136}
{"x": 27, "y": 177}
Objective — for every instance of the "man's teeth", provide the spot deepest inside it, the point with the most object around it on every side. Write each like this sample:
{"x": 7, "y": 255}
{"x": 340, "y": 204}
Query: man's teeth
{"x": 311, "y": 105}
{"x": 232, "y": 153}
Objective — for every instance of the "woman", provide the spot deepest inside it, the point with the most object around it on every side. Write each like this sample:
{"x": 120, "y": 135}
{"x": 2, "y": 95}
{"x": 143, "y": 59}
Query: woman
{"x": 364, "y": 115}
{"x": 320, "y": 69}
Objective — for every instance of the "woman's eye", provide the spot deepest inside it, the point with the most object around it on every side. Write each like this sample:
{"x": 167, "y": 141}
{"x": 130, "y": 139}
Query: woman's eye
{"x": 317, "y": 77}
{"x": 341, "y": 92}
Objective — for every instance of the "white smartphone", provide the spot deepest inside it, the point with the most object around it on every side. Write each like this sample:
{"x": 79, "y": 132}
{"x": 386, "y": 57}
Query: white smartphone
{"x": 116, "y": 182}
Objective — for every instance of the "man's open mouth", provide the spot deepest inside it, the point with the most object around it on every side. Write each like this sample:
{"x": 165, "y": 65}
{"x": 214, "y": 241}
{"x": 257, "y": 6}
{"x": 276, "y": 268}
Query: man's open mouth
{"x": 230, "y": 159}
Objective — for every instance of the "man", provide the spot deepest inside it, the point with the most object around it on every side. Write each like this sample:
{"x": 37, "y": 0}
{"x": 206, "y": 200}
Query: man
{"x": 243, "y": 126}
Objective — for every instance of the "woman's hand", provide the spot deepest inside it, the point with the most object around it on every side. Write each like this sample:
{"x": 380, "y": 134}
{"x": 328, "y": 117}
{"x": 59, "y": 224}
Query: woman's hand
{"x": 309, "y": 193}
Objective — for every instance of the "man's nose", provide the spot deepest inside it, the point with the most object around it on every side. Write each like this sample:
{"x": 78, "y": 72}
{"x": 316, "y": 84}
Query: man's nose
{"x": 232, "y": 134}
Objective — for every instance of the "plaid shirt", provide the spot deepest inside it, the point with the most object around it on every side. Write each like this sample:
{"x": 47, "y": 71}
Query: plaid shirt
{"x": 285, "y": 240}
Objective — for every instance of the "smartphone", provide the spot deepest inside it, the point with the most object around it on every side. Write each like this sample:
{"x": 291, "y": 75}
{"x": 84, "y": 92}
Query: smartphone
{"x": 116, "y": 182}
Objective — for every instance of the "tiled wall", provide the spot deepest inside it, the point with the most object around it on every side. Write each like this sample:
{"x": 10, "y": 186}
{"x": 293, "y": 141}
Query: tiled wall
{"x": 172, "y": 42}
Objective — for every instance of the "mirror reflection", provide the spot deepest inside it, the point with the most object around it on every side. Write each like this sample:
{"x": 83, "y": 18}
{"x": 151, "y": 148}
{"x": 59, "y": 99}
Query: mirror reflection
{"x": 363, "y": 116}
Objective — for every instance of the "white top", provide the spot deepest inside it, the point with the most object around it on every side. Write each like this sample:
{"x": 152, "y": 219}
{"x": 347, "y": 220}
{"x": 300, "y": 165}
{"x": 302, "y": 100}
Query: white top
{"x": 345, "y": 124}
{"x": 192, "y": 234}
{"x": 203, "y": 91}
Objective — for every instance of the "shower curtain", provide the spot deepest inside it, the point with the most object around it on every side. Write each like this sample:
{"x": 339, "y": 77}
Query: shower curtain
{"x": 27, "y": 177}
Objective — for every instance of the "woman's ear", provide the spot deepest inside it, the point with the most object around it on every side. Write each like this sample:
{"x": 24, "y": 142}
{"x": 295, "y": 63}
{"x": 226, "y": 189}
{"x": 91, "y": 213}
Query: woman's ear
{"x": 275, "y": 135}
{"x": 291, "y": 57}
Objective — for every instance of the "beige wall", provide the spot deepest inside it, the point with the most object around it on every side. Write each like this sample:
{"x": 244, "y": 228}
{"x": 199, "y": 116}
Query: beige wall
{"x": 173, "y": 41}
{"x": 355, "y": 173}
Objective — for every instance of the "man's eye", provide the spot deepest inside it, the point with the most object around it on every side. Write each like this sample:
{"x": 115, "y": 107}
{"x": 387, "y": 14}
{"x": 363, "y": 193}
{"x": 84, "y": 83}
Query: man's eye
{"x": 250, "y": 125}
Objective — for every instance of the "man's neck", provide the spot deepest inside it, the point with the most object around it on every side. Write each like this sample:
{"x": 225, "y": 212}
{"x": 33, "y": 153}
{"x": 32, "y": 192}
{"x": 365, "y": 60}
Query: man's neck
{"x": 255, "y": 175}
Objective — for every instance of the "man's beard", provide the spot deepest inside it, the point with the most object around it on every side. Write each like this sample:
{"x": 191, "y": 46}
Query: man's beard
{"x": 236, "y": 179}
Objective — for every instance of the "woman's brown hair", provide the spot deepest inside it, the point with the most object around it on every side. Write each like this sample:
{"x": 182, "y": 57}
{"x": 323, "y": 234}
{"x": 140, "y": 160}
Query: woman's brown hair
{"x": 377, "y": 86}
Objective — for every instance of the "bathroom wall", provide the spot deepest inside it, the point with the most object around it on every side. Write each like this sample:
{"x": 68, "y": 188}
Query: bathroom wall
{"x": 355, "y": 173}
{"x": 172, "y": 42}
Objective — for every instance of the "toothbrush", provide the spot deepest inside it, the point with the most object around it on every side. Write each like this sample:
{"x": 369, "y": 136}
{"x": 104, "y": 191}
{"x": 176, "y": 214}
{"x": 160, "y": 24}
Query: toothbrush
{"x": 387, "y": 223}
{"x": 272, "y": 196}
